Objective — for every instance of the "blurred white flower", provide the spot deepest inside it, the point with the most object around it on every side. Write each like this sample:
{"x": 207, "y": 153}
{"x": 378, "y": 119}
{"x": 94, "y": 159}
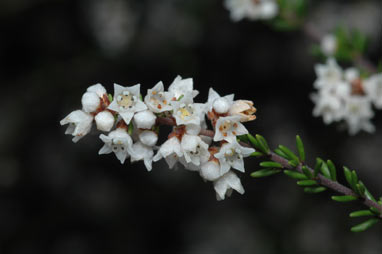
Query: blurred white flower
{"x": 328, "y": 74}
{"x": 80, "y": 124}
{"x": 126, "y": 101}
{"x": 358, "y": 113}
{"x": 373, "y": 89}
{"x": 226, "y": 183}
{"x": 251, "y": 9}
{"x": 329, "y": 45}
{"x": 119, "y": 142}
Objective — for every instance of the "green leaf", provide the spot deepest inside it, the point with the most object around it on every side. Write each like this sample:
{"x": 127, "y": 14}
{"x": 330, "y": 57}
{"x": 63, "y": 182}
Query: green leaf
{"x": 180, "y": 97}
{"x": 289, "y": 153}
{"x": 110, "y": 97}
{"x": 313, "y": 190}
{"x": 354, "y": 179}
{"x": 243, "y": 138}
{"x": 263, "y": 143}
{"x": 281, "y": 153}
{"x": 306, "y": 183}
{"x": 345, "y": 198}
{"x": 348, "y": 177}
{"x": 364, "y": 225}
{"x": 265, "y": 172}
{"x": 293, "y": 163}
{"x": 131, "y": 128}
{"x": 306, "y": 171}
{"x": 256, "y": 154}
{"x": 360, "y": 189}
{"x": 253, "y": 141}
{"x": 361, "y": 213}
{"x": 366, "y": 192}
{"x": 270, "y": 164}
{"x": 332, "y": 170}
{"x": 300, "y": 148}
{"x": 295, "y": 175}
{"x": 325, "y": 170}
{"x": 317, "y": 167}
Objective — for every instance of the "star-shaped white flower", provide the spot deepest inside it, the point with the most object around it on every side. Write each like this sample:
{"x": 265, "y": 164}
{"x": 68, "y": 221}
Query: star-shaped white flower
{"x": 358, "y": 113}
{"x": 221, "y": 105}
{"x": 180, "y": 87}
{"x": 251, "y": 9}
{"x": 157, "y": 100}
{"x": 195, "y": 151}
{"x": 231, "y": 155}
{"x": 226, "y": 183}
{"x": 142, "y": 152}
{"x": 227, "y": 128}
{"x": 126, "y": 101}
{"x": 373, "y": 89}
{"x": 328, "y": 74}
{"x": 187, "y": 112}
{"x": 80, "y": 124}
{"x": 170, "y": 150}
{"x": 119, "y": 142}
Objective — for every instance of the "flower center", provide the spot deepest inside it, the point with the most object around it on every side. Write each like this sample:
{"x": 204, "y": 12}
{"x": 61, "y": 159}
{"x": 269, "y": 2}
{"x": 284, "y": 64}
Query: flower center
{"x": 185, "y": 111}
{"x": 126, "y": 100}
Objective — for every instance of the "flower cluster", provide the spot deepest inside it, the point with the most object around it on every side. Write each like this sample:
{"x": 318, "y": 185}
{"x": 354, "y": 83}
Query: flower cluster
{"x": 131, "y": 127}
{"x": 345, "y": 95}
{"x": 251, "y": 9}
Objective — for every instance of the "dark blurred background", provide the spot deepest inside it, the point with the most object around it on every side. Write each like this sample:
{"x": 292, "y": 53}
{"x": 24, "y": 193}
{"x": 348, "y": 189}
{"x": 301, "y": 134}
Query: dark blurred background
{"x": 60, "y": 197}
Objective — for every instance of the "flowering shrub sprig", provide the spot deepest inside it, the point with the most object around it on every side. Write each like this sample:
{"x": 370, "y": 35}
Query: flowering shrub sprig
{"x": 131, "y": 125}
{"x": 214, "y": 154}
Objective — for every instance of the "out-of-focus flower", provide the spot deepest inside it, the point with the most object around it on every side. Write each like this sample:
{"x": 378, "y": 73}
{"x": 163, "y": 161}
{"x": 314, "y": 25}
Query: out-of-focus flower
{"x": 358, "y": 113}
{"x": 80, "y": 124}
{"x": 328, "y": 74}
{"x": 329, "y": 45}
{"x": 373, "y": 89}
{"x": 251, "y": 9}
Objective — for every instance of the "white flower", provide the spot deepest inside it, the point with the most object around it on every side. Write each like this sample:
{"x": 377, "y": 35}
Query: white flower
{"x": 157, "y": 100}
{"x": 221, "y": 105}
{"x": 226, "y": 183}
{"x": 126, "y": 101}
{"x": 180, "y": 87}
{"x": 373, "y": 89}
{"x": 170, "y": 151}
{"x": 79, "y": 122}
{"x": 328, "y": 74}
{"x": 187, "y": 112}
{"x": 119, "y": 142}
{"x": 90, "y": 102}
{"x": 251, "y": 9}
{"x": 231, "y": 155}
{"x": 330, "y": 102}
{"x": 148, "y": 137}
{"x": 244, "y": 109}
{"x": 227, "y": 128}
{"x": 210, "y": 170}
{"x": 329, "y": 45}
{"x": 144, "y": 119}
{"x": 358, "y": 113}
{"x": 98, "y": 89}
{"x": 351, "y": 74}
{"x": 104, "y": 120}
{"x": 142, "y": 152}
{"x": 194, "y": 149}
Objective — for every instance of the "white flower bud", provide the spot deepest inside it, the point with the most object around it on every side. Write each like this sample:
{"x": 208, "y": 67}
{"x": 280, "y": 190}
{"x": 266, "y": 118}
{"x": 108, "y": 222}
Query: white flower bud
{"x": 144, "y": 119}
{"x": 148, "y": 138}
{"x": 90, "y": 102}
{"x": 221, "y": 105}
{"x": 98, "y": 89}
{"x": 104, "y": 121}
{"x": 210, "y": 170}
